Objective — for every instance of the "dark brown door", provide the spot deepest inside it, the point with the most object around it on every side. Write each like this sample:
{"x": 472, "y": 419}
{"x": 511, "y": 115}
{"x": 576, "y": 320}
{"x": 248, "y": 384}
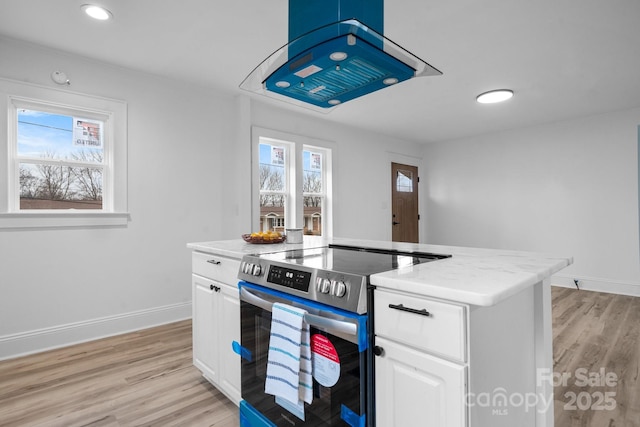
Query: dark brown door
{"x": 404, "y": 203}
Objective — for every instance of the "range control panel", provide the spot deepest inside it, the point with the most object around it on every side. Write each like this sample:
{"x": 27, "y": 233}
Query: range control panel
{"x": 341, "y": 290}
{"x": 289, "y": 278}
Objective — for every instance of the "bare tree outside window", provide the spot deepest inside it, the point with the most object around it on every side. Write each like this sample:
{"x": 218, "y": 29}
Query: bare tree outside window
{"x": 60, "y": 161}
{"x": 312, "y": 183}
{"x": 88, "y": 179}
{"x": 271, "y": 179}
{"x": 313, "y": 191}
{"x": 55, "y": 182}
{"x": 273, "y": 187}
{"x": 28, "y": 183}
{"x": 277, "y": 194}
{"x": 53, "y": 186}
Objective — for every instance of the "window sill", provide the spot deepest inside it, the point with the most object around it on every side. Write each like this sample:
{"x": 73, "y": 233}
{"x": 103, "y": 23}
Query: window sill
{"x": 32, "y": 220}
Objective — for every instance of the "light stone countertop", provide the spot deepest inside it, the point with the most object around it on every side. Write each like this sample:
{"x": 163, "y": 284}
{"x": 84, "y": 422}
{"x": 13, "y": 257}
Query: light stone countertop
{"x": 473, "y": 276}
{"x": 237, "y": 248}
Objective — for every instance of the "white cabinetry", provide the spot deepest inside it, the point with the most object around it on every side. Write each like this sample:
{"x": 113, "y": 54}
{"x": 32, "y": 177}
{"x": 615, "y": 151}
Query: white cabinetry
{"x": 421, "y": 373}
{"x": 216, "y": 321}
{"x": 460, "y": 365}
{"x": 415, "y": 388}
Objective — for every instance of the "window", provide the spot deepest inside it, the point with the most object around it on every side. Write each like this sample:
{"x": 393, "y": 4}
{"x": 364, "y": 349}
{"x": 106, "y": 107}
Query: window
{"x": 273, "y": 172}
{"x": 404, "y": 181}
{"x": 66, "y": 158}
{"x": 60, "y": 160}
{"x": 312, "y": 189}
{"x": 293, "y": 178}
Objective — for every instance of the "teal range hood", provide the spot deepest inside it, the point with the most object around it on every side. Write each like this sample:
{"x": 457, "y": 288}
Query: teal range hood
{"x": 336, "y": 53}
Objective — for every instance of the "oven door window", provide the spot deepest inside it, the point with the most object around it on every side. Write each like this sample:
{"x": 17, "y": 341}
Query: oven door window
{"x": 343, "y": 393}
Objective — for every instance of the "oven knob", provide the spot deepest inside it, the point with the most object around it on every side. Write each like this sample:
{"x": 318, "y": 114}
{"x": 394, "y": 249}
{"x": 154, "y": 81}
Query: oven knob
{"x": 334, "y": 285}
{"x": 319, "y": 284}
{"x": 256, "y": 270}
{"x": 326, "y": 286}
{"x": 338, "y": 288}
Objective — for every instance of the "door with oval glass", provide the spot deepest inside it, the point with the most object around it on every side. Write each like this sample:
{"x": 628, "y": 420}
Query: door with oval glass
{"x": 404, "y": 203}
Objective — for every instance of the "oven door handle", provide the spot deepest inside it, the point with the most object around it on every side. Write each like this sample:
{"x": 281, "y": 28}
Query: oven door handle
{"x": 329, "y": 325}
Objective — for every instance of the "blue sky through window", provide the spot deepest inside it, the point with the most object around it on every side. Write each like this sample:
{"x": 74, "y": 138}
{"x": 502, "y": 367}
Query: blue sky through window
{"x": 43, "y": 134}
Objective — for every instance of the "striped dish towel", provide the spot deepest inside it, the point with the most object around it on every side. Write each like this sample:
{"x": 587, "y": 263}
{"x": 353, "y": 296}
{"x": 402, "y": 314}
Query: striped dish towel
{"x": 289, "y": 359}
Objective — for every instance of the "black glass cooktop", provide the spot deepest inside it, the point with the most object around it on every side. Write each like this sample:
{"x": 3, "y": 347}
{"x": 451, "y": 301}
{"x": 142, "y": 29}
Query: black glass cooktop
{"x": 353, "y": 260}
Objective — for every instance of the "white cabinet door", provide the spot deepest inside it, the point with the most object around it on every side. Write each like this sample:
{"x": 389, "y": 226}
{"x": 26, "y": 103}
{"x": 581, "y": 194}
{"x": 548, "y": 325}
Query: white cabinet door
{"x": 205, "y": 328}
{"x": 229, "y": 331}
{"x": 417, "y": 389}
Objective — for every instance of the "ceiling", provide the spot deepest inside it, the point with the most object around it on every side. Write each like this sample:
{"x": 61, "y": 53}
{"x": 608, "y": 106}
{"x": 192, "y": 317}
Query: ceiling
{"x": 563, "y": 58}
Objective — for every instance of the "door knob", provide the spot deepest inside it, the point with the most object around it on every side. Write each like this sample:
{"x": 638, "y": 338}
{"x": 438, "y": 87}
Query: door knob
{"x": 395, "y": 222}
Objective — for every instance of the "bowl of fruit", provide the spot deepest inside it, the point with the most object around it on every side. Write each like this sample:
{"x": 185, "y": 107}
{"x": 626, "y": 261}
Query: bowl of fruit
{"x": 264, "y": 237}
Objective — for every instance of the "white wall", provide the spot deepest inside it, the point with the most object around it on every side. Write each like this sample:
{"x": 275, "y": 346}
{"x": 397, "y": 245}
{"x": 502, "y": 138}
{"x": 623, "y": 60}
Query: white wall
{"x": 361, "y": 169}
{"x": 64, "y": 285}
{"x": 189, "y": 180}
{"x": 569, "y": 188}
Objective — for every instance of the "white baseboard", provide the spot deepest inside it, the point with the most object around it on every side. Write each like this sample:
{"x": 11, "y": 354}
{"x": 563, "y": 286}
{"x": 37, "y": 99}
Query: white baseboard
{"x": 36, "y": 341}
{"x": 597, "y": 284}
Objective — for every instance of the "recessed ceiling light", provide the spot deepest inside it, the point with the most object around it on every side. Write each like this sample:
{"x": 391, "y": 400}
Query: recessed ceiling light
{"x": 494, "y": 96}
{"x": 96, "y": 12}
{"x": 334, "y": 101}
{"x": 283, "y": 84}
{"x": 390, "y": 81}
{"x": 338, "y": 56}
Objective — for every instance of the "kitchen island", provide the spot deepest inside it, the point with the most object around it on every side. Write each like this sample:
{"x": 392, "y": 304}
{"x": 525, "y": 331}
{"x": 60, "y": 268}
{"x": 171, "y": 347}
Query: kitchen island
{"x": 483, "y": 359}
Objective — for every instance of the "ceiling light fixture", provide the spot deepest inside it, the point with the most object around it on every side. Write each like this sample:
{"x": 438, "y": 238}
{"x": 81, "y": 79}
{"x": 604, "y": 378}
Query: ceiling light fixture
{"x": 338, "y": 56}
{"x": 494, "y": 96}
{"x": 96, "y": 12}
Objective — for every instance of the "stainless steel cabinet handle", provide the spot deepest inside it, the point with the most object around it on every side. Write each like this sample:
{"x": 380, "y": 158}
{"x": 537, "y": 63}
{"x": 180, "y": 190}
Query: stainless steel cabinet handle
{"x": 401, "y": 307}
{"x": 213, "y": 261}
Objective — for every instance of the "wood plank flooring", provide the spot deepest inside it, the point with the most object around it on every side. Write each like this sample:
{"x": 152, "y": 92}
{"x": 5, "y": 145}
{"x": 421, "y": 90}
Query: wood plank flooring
{"x": 596, "y": 346}
{"x": 146, "y": 378}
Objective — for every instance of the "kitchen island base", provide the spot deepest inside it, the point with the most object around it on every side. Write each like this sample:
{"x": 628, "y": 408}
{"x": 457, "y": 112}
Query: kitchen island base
{"x": 489, "y": 364}
{"x": 486, "y": 370}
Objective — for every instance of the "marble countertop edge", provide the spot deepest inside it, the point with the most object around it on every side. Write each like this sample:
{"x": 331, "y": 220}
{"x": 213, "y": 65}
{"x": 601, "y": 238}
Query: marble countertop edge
{"x": 474, "y": 276}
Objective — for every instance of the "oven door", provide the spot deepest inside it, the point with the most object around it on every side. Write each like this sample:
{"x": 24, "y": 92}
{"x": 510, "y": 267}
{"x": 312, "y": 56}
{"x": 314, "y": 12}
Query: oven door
{"x": 339, "y": 345}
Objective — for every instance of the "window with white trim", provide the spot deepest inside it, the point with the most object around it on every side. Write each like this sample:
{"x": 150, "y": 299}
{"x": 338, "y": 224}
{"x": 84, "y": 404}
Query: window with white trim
{"x": 59, "y": 160}
{"x": 292, "y": 175}
{"x": 65, "y": 156}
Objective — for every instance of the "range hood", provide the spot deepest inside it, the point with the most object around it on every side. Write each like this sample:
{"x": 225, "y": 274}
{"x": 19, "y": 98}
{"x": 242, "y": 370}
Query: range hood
{"x": 330, "y": 60}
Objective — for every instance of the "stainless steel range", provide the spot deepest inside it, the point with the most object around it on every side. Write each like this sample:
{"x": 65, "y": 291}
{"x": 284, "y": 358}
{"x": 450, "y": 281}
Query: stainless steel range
{"x": 331, "y": 285}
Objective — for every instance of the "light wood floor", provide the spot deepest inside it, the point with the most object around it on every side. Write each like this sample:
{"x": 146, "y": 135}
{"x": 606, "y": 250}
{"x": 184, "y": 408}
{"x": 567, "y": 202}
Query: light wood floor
{"x": 596, "y": 340}
{"x": 146, "y": 378}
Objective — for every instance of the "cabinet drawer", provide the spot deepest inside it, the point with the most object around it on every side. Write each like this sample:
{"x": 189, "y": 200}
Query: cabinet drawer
{"x": 216, "y": 267}
{"x": 400, "y": 318}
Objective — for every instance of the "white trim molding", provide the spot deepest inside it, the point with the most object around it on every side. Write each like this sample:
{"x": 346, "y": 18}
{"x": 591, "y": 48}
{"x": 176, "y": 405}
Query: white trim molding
{"x": 113, "y": 112}
{"x": 597, "y": 284}
{"x": 39, "y": 340}
{"x": 31, "y": 220}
